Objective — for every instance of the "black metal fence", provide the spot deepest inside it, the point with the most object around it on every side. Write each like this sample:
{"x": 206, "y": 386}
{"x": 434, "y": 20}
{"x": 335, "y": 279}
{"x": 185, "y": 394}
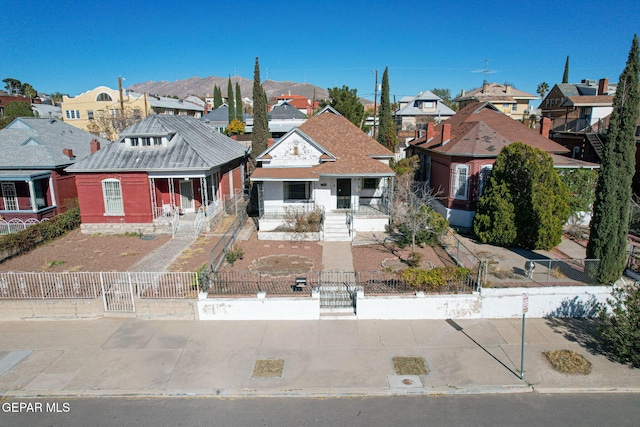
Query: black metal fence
{"x": 241, "y": 283}
{"x": 219, "y": 251}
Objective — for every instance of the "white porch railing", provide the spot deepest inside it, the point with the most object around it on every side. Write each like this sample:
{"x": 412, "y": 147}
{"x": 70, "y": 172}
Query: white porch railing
{"x": 16, "y": 224}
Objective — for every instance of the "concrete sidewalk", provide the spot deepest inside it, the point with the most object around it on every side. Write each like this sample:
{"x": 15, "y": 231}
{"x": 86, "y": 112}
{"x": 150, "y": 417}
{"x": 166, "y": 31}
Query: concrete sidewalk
{"x": 126, "y": 356}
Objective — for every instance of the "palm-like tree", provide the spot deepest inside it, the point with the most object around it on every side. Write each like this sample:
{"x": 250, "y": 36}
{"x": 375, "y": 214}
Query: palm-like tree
{"x": 542, "y": 89}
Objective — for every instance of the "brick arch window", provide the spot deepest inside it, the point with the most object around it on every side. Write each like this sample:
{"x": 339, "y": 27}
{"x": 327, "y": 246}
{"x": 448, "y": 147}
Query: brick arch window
{"x": 102, "y": 96}
{"x": 112, "y": 193}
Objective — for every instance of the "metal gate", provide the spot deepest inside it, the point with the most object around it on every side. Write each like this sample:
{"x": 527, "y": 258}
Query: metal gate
{"x": 338, "y": 289}
{"x": 117, "y": 293}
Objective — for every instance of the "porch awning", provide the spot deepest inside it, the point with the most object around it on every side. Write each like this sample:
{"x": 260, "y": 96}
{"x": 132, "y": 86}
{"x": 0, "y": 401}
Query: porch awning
{"x": 284, "y": 174}
{"x": 23, "y": 175}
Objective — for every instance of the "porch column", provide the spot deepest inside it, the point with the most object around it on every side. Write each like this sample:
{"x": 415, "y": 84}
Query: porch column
{"x": 154, "y": 202}
{"x": 172, "y": 194}
{"x": 53, "y": 192}
{"x": 204, "y": 192}
{"x": 32, "y": 195}
{"x": 390, "y": 207}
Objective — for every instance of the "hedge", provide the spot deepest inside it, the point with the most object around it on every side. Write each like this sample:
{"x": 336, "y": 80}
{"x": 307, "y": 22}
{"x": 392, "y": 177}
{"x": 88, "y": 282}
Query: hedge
{"x": 37, "y": 234}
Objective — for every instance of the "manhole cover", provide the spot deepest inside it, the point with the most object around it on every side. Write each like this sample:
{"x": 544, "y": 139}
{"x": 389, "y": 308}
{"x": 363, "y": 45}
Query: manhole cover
{"x": 407, "y": 381}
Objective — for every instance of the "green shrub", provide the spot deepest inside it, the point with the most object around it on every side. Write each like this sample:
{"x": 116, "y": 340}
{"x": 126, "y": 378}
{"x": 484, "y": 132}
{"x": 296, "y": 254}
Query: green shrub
{"x": 233, "y": 254}
{"x": 436, "y": 278}
{"x": 620, "y": 324}
{"x": 34, "y": 235}
{"x": 415, "y": 259}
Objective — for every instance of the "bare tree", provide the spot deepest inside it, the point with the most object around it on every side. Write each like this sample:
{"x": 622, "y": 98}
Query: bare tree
{"x": 109, "y": 123}
{"x": 414, "y": 214}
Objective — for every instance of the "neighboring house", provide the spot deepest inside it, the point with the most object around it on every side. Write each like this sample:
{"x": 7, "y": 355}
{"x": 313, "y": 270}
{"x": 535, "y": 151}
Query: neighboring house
{"x": 162, "y": 166}
{"x": 283, "y": 117}
{"x": 456, "y": 157}
{"x": 328, "y": 164}
{"x": 580, "y": 114}
{"x": 302, "y": 103}
{"x": 415, "y": 111}
{"x": 47, "y": 111}
{"x": 507, "y": 99}
{"x": 33, "y": 155}
{"x": 218, "y": 119}
{"x": 80, "y": 110}
{"x": 5, "y": 99}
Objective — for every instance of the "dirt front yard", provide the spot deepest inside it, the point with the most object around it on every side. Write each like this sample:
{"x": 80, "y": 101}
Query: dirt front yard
{"x": 82, "y": 252}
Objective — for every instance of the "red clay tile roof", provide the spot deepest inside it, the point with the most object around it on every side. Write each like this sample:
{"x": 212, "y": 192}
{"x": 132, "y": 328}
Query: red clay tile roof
{"x": 479, "y": 130}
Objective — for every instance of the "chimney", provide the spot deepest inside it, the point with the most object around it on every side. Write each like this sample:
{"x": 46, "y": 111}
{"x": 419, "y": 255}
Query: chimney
{"x": 485, "y": 87}
{"x": 446, "y": 133}
{"x": 270, "y": 142}
{"x": 603, "y": 86}
{"x": 507, "y": 89}
{"x": 95, "y": 145}
{"x": 431, "y": 127}
{"x": 545, "y": 127}
{"x": 68, "y": 152}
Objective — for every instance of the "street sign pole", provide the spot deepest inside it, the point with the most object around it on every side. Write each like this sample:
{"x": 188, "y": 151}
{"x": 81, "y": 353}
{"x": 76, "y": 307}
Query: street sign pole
{"x": 525, "y": 308}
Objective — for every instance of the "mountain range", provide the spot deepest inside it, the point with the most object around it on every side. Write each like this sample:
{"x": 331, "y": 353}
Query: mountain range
{"x": 199, "y": 86}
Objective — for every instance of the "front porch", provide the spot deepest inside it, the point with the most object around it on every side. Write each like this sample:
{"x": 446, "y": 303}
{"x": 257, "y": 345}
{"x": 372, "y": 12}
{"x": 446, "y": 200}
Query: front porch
{"x": 347, "y": 204}
{"x": 26, "y": 195}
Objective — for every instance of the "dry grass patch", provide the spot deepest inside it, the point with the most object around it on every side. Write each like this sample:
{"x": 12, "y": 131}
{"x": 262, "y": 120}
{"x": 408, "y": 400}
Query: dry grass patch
{"x": 409, "y": 366}
{"x": 129, "y": 253}
{"x": 568, "y": 362}
{"x": 270, "y": 368}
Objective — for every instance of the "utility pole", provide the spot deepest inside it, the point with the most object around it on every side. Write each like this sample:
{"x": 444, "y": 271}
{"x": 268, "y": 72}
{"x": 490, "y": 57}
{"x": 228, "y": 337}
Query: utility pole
{"x": 375, "y": 105}
{"x": 121, "y": 99}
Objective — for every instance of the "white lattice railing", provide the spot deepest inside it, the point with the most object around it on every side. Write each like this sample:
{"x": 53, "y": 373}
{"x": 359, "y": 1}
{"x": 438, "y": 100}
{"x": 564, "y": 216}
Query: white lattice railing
{"x": 16, "y": 224}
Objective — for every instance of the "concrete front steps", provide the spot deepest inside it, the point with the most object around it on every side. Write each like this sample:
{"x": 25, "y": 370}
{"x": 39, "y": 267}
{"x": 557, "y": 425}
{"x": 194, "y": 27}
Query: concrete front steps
{"x": 335, "y": 227}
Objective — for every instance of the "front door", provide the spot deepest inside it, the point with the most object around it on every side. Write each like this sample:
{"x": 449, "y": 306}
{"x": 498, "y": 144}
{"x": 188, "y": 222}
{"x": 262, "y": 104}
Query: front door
{"x": 186, "y": 196}
{"x": 344, "y": 193}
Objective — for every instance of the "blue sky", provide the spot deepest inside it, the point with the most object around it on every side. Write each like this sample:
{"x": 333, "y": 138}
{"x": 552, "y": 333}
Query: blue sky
{"x": 74, "y": 46}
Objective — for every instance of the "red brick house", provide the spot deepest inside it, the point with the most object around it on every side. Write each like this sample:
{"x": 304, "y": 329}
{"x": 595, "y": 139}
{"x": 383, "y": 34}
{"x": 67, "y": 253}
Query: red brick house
{"x": 162, "y": 166}
{"x": 34, "y": 153}
{"x": 456, "y": 157}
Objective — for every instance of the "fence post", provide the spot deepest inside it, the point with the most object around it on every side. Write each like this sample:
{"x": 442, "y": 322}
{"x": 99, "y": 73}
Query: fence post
{"x": 549, "y": 273}
{"x": 104, "y": 296}
{"x": 260, "y": 283}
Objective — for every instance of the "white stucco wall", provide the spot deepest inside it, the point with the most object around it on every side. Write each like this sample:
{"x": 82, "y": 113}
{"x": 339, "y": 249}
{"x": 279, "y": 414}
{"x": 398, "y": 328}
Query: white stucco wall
{"x": 419, "y": 307}
{"x": 368, "y": 224}
{"x": 260, "y": 308}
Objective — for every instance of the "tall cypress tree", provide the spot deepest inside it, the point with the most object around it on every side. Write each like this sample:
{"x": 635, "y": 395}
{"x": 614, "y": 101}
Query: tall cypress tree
{"x": 565, "y": 76}
{"x": 610, "y": 221}
{"x": 217, "y": 97}
{"x": 232, "y": 106}
{"x": 387, "y": 129}
{"x": 260, "y": 134}
{"x": 239, "y": 115}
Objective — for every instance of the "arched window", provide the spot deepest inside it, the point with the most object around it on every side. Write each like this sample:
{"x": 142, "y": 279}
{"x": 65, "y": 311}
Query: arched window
{"x": 112, "y": 193}
{"x": 104, "y": 97}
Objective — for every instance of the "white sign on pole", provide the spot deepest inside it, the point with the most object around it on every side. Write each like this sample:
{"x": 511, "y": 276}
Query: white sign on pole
{"x": 525, "y": 303}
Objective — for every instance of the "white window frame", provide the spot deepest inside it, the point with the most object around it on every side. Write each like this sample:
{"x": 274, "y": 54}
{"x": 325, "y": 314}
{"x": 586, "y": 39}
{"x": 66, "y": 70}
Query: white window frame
{"x": 10, "y": 196}
{"x": 460, "y": 182}
{"x": 483, "y": 178}
{"x": 112, "y": 196}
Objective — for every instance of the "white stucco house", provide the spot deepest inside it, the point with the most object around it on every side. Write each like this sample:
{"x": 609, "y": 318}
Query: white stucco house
{"x": 329, "y": 165}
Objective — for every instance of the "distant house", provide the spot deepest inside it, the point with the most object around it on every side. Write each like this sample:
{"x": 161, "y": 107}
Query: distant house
{"x": 283, "y": 117}
{"x": 301, "y": 103}
{"x": 162, "y": 166}
{"x": 218, "y": 119}
{"x": 512, "y": 102}
{"x": 456, "y": 157}
{"x": 6, "y": 98}
{"x": 34, "y": 153}
{"x": 580, "y": 116}
{"x": 80, "y": 110}
{"x": 415, "y": 111}
{"x": 328, "y": 164}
